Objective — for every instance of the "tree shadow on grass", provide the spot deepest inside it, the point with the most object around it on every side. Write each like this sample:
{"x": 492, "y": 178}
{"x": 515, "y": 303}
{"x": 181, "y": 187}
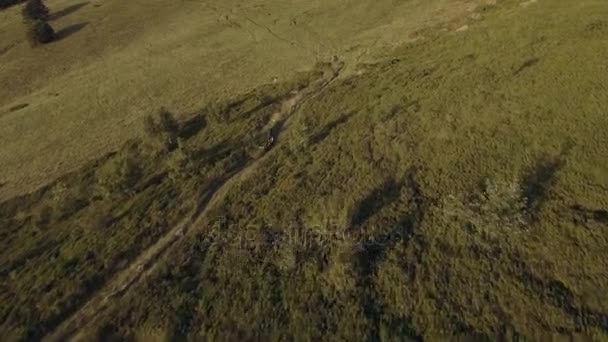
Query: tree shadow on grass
{"x": 327, "y": 129}
{"x": 557, "y": 294}
{"x": 69, "y": 30}
{"x": 374, "y": 201}
{"x": 67, "y": 11}
{"x": 525, "y": 65}
{"x": 374, "y": 251}
{"x": 597, "y": 215}
{"x": 18, "y": 107}
{"x": 192, "y": 126}
{"x": 541, "y": 178}
{"x": 215, "y": 153}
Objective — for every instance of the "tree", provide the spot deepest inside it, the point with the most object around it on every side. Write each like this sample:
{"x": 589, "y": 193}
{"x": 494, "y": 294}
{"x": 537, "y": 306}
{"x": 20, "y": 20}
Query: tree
{"x": 164, "y": 130}
{"x": 40, "y": 32}
{"x": 35, "y": 10}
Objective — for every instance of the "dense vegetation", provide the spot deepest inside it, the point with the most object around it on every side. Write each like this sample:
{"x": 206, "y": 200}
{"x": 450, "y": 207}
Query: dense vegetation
{"x": 35, "y": 10}
{"x": 35, "y": 15}
{"x": 458, "y": 189}
{"x": 40, "y": 32}
{"x": 75, "y": 233}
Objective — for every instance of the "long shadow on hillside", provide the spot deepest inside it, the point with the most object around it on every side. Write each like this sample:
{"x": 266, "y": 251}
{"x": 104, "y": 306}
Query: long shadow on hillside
{"x": 380, "y": 197}
{"x": 525, "y": 65}
{"x": 192, "y": 126}
{"x": 597, "y": 215}
{"x": 69, "y": 30}
{"x": 215, "y": 153}
{"x": 540, "y": 179}
{"x": 557, "y": 294}
{"x": 67, "y": 11}
{"x": 375, "y": 250}
{"x": 327, "y": 129}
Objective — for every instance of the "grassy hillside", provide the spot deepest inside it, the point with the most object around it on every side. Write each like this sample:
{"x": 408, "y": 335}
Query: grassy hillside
{"x": 82, "y": 96}
{"x": 456, "y": 188}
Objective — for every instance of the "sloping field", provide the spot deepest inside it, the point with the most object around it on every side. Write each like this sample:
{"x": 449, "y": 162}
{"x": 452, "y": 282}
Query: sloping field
{"x": 449, "y": 185}
{"x": 84, "y": 95}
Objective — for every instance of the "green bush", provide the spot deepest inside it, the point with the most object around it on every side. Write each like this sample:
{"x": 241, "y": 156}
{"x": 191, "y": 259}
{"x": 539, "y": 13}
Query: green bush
{"x": 119, "y": 177}
{"x": 181, "y": 164}
{"x": 40, "y": 32}
{"x": 163, "y": 129}
{"x": 167, "y": 122}
{"x": 35, "y": 10}
{"x": 66, "y": 200}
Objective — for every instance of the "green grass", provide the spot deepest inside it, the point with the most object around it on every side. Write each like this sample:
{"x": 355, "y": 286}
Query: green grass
{"x": 63, "y": 242}
{"x": 457, "y": 189}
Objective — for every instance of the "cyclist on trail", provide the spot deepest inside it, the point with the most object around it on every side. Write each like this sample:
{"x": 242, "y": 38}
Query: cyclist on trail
{"x": 269, "y": 141}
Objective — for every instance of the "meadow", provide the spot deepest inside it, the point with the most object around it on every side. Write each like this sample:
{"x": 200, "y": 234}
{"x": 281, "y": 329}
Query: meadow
{"x": 454, "y": 187}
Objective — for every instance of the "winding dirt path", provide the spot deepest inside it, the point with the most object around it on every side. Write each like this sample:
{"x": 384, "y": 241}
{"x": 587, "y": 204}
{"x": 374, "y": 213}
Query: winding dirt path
{"x": 145, "y": 262}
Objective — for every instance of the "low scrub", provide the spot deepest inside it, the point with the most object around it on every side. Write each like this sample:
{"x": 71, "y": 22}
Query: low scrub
{"x": 35, "y": 10}
{"x": 162, "y": 129}
{"x": 119, "y": 177}
{"x": 40, "y": 32}
{"x": 181, "y": 163}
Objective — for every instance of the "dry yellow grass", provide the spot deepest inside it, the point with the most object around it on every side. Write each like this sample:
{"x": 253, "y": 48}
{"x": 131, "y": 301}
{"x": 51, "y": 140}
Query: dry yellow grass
{"x": 87, "y": 92}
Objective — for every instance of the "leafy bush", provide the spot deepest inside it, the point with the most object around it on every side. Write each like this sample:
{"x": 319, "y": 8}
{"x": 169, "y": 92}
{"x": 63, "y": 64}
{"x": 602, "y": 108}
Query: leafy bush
{"x": 164, "y": 129}
{"x": 167, "y": 122}
{"x": 35, "y": 10}
{"x": 181, "y": 163}
{"x": 119, "y": 176}
{"x": 65, "y": 201}
{"x": 40, "y": 32}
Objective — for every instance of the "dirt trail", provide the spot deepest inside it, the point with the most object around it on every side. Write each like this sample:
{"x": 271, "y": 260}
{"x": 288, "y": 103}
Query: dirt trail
{"x": 143, "y": 265}
{"x": 279, "y": 121}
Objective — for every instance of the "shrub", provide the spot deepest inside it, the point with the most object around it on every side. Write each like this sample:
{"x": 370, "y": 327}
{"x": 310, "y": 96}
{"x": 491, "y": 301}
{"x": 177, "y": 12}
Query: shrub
{"x": 66, "y": 200}
{"x": 151, "y": 127}
{"x": 167, "y": 121}
{"x": 40, "y": 32}
{"x": 35, "y": 10}
{"x": 165, "y": 129}
{"x": 119, "y": 176}
{"x": 181, "y": 164}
